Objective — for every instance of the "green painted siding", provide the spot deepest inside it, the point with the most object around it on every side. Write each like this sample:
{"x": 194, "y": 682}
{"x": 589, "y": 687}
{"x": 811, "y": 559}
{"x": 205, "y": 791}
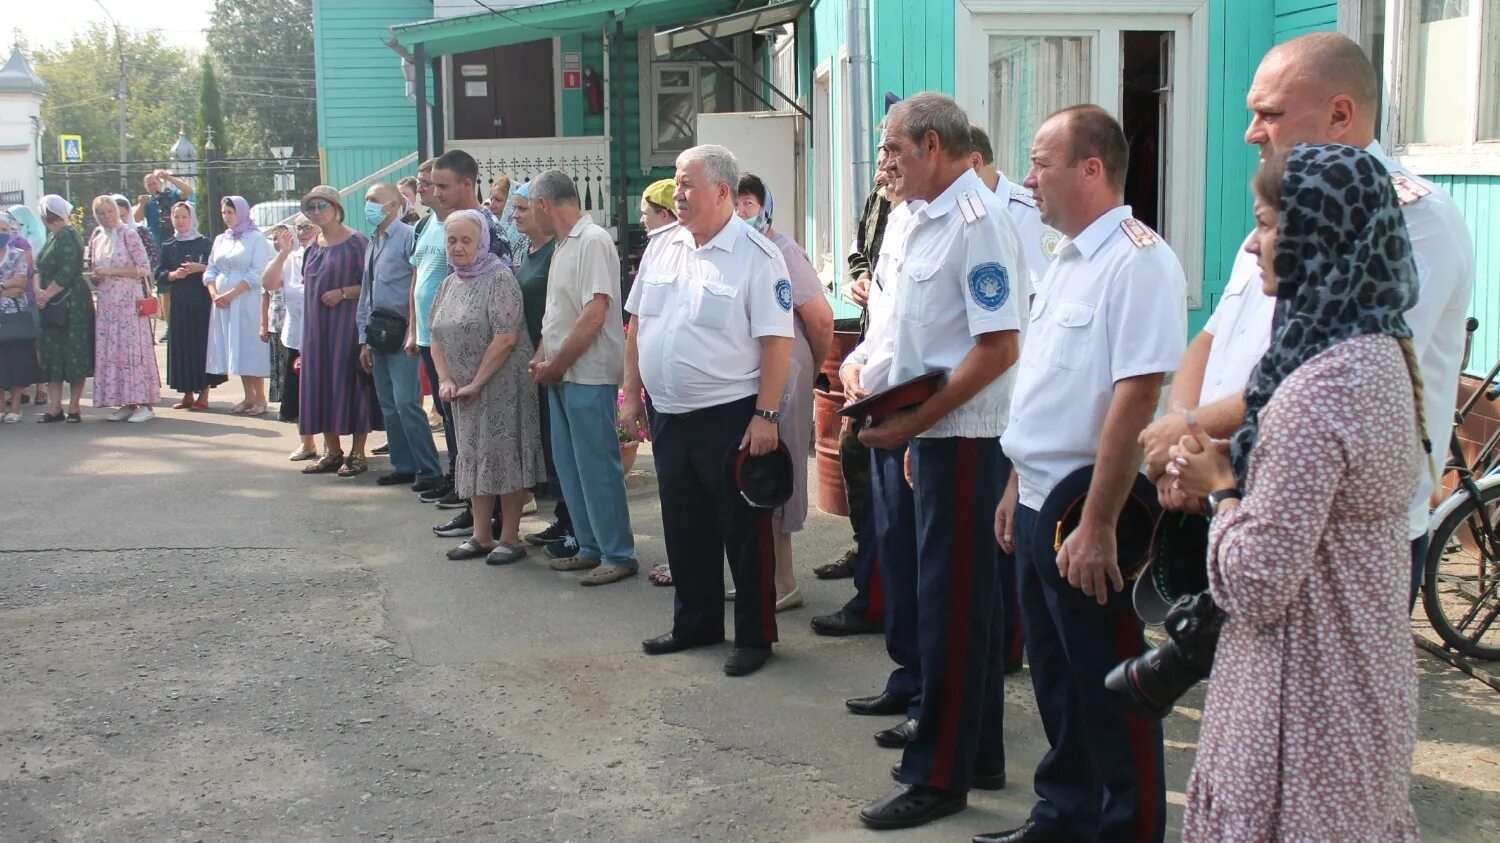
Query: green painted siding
{"x": 1479, "y": 199}
{"x": 1298, "y": 17}
{"x": 913, "y": 48}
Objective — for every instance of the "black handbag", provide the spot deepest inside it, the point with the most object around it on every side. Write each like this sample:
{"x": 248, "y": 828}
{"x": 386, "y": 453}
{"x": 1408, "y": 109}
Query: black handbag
{"x": 386, "y": 330}
{"x": 55, "y": 314}
{"x": 20, "y": 326}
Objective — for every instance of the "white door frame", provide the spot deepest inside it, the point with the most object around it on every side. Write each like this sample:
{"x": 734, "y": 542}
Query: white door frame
{"x": 1187, "y": 192}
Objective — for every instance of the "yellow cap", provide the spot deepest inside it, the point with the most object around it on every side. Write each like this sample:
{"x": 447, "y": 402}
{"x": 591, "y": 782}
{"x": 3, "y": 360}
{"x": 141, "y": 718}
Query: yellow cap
{"x": 660, "y": 193}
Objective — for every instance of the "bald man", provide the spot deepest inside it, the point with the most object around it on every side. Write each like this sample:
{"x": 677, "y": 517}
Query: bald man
{"x": 1321, "y": 88}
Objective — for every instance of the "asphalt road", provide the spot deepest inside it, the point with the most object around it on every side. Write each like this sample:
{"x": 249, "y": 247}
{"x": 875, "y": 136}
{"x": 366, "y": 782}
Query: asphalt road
{"x": 198, "y": 642}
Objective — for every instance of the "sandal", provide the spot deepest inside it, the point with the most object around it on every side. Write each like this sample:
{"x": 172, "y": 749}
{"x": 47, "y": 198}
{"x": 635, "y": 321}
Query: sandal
{"x": 470, "y": 549}
{"x": 326, "y": 464}
{"x": 201, "y": 404}
{"x": 239, "y": 408}
{"x": 661, "y": 575}
{"x": 185, "y": 403}
{"x": 49, "y": 418}
{"x": 354, "y": 465}
{"x": 74, "y": 418}
{"x": 254, "y": 410}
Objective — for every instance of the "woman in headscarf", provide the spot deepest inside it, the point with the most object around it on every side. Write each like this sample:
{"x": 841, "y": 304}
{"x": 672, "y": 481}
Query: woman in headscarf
{"x": 184, "y": 258}
{"x": 283, "y": 327}
{"x": 125, "y": 374}
{"x": 29, "y": 235}
{"x": 813, "y": 325}
{"x": 481, "y": 349}
{"x": 65, "y": 347}
{"x": 232, "y": 277}
{"x": 1311, "y": 715}
{"x": 127, "y": 216}
{"x": 31, "y": 227}
{"x": 337, "y": 398}
{"x": 18, "y": 366}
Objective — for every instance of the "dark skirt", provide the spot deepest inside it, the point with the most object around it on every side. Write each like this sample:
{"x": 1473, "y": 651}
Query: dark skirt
{"x": 18, "y": 364}
{"x": 284, "y": 372}
{"x": 187, "y": 338}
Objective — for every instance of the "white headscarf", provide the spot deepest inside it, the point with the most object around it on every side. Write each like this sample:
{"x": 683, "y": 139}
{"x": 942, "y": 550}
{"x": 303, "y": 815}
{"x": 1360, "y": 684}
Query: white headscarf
{"x": 57, "y": 205}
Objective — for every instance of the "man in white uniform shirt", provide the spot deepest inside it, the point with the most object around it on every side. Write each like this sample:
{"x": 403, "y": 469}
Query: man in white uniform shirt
{"x": 1321, "y": 88}
{"x": 710, "y": 339}
{"x": 960, "y": 304}
{"x": 1106, "y": 328}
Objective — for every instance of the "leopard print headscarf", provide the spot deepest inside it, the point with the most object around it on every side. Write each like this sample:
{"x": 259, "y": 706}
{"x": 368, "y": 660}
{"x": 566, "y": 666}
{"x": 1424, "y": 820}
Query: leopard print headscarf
{"x": 1343, "y": 265}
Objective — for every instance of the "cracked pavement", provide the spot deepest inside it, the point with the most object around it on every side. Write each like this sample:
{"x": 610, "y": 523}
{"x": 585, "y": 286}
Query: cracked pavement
{"x": 199, "y": 643}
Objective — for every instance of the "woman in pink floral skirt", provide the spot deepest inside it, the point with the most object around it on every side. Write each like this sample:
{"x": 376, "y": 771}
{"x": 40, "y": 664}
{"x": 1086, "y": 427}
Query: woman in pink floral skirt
{"x": 125, "y": 374}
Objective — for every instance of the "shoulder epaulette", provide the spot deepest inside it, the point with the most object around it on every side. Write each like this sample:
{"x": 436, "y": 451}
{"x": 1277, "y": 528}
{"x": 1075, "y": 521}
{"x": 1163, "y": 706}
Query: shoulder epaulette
{"x": 1139, "y": 234}
{"x": 971, "y": 206}
{"x": 1408, "y": 190}
{"x": 1022, "y": 195}
{"x": 764, "y": 243}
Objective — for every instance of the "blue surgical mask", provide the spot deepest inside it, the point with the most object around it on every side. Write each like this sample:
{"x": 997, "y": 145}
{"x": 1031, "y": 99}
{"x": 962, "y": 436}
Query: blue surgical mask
{"x": 760, "y": 222}
{"x": 374, "y": 213}
{"x": 4, "y": 240}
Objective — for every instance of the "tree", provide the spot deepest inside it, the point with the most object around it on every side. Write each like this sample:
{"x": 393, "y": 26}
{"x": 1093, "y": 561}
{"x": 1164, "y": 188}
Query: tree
{"x": 265, "y": 52}
{"x": 211, "y": 125}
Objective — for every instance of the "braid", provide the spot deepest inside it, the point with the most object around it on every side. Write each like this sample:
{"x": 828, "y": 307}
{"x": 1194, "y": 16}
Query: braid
{"x": 1415, "y": 371}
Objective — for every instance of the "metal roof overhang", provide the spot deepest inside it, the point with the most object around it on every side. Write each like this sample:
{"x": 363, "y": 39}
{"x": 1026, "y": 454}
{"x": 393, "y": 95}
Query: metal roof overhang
{"x": 501, "y": 27}
{"x": 750, "y": 20}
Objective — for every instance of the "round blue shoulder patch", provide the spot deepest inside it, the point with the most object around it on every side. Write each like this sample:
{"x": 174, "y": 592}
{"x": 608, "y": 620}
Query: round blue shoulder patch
{"x": 784, "y": 294}
{"x": 989, "y": 284}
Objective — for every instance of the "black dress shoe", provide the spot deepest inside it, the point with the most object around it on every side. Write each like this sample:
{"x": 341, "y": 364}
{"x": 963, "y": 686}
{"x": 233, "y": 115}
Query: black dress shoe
{"x": 661, "y": 645}
{"x": 839, "y": 570}
{"x": 1029, "y": 832}
{"x": 912, "y": 805}
{"x": 381, "y": 450}
{"x": 427, "y": 484}
{"x": 979, "y": 781}
{"x": 844, "y": 622}
{"x": 395, "y": 478}
{"x": 898, "y": 736}
{"x": 884, "y": 704}
{"x": 744, "y": 661}
{"x": 437, "y": 492}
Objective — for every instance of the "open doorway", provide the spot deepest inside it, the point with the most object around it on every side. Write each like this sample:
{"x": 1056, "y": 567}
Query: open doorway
{"x": 1145, "y": 113}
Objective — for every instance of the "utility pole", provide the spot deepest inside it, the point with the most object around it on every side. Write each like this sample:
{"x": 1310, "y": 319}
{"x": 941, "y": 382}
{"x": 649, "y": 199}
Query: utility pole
{"x": 120, "y": 49}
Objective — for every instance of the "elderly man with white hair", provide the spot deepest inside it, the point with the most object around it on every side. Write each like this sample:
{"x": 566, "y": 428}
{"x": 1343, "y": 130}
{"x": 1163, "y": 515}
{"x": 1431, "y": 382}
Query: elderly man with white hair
{"x": 711, "y": 338}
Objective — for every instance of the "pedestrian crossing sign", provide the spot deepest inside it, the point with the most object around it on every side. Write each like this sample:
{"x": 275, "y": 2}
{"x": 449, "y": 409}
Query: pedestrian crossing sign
{"x": 70, "y": 149}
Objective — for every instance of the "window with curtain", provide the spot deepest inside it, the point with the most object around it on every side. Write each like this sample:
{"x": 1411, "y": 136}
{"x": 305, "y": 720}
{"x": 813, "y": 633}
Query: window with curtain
{"x": 1441, "y": 57}
{"x": 1032, "y": 76}
{"x": 677, "y": 88}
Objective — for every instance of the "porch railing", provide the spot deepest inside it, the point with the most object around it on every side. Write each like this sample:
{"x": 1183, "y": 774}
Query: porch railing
{"x": 585, "y": 159}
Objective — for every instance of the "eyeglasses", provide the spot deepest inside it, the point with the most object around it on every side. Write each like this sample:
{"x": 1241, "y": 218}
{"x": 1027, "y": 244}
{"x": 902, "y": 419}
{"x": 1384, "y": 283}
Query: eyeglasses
{"x": 302, "y": 228}
{"x": 316, "y": 205}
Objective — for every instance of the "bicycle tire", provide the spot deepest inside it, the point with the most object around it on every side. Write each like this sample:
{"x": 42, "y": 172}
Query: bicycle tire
{"x": 1450, "y": 577}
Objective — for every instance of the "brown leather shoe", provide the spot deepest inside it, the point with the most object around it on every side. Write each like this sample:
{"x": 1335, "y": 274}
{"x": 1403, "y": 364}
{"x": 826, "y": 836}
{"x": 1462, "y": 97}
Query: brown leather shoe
{"x": 354, "y": 465}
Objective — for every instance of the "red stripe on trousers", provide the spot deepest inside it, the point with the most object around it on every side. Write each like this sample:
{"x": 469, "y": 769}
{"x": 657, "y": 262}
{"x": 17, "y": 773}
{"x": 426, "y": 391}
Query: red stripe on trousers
{"x": 960, "y": 587}
{"x": 875, "y": 602}
{"x": 766, "y": 553}
{"x": 1128, "y": 645}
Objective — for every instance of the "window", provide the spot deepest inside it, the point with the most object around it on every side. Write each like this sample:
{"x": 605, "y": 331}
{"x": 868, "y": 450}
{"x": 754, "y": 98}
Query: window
{"x": 677, "y": 88}
{"x": 1440, "y": 75}
{"x": 822, "y": 129}
{"x": 1031, "y": 76}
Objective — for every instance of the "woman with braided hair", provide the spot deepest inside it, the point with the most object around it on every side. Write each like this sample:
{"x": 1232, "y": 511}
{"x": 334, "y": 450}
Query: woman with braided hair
{"x": 1311, "y": 716}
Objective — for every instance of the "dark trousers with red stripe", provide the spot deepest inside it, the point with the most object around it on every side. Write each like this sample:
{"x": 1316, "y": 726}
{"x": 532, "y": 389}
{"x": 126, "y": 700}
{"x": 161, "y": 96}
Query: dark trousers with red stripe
{"x": 1102, "y": 778}
{"x": 894, "y": 516}
{"x": 704, "y": 518}
{"x": 958, "y": 612}
{"x": 856, "y": 462}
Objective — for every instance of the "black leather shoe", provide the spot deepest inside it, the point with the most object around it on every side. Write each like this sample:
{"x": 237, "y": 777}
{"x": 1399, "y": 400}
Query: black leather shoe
{"x": 979, "y": 781}
{"x": 844, "y": 622}
{"x": 839, "y": 570}
{"x": 395, "y": 478}
{"x": 1029, "y": 832}
{"x": 744, "y": 661}
{"x": 911, "y": 805}
{"x": 884, "y": 704}
{"x": 427, "y": 484}
{"x": 898, "y": 736}
{"x": 661, "y": 645}
{"x": 381, "y": 450}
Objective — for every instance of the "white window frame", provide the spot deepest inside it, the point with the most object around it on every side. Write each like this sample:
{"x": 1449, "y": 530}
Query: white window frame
{"x": 1473, "y": 157}
{"x": 647, "y": 65}
{"x": 1187, "y": 189}
{"x": 825, "y": 227}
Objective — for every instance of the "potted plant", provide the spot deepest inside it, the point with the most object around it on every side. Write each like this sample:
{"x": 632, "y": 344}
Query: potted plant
{"x": 630, "y": 437}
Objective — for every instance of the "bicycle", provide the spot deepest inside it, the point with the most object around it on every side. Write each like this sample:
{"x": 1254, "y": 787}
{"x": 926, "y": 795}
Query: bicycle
{"x": 1461, "y": 581}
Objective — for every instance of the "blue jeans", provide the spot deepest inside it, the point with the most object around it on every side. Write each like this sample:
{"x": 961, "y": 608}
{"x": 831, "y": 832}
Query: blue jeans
{"x": 586, "y": 451}
{"x": 399, "y": 389}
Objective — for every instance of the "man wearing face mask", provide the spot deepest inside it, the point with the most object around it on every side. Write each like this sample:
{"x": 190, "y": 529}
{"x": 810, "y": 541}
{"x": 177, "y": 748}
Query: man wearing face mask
{"x": 384, "y": 307}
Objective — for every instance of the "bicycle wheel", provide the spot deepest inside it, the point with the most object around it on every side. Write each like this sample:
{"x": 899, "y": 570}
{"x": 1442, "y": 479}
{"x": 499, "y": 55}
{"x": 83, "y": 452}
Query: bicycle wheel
{"x": 1461, "y": 587}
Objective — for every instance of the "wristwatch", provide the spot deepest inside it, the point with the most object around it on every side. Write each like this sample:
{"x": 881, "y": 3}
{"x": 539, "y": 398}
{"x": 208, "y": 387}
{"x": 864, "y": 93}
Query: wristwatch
{"x": 771, "y": 416}
{"x": 1219, "y": 497}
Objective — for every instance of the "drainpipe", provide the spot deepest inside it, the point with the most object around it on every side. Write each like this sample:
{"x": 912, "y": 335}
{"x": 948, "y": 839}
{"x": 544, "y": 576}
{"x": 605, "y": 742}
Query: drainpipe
{"x": 857, "y": 31}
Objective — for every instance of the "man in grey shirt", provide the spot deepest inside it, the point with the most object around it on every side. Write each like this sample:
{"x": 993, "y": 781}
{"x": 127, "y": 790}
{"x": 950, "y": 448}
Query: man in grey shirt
{"x": 385, "y": 296}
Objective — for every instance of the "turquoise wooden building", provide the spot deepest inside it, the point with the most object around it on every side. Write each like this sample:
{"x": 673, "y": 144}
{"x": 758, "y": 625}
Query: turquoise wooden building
{"x": 593, "y": 84}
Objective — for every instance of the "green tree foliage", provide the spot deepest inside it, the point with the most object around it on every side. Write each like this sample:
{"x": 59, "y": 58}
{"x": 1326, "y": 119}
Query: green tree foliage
{"x": 211, "y": 124}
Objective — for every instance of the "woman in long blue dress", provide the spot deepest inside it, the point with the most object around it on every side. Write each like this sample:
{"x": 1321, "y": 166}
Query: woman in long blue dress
{"x": 232, "y": 277}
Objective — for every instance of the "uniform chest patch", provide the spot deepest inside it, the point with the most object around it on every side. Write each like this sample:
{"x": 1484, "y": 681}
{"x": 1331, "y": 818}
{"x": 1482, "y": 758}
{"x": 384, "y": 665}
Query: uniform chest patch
{"x": 784, "y": 294}
{"x": 1051, "y": 239}
{"x": 989, "y": 285}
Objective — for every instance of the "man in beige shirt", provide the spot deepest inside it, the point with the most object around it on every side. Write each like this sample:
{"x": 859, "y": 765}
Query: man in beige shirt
{"x": 581, "y": 357}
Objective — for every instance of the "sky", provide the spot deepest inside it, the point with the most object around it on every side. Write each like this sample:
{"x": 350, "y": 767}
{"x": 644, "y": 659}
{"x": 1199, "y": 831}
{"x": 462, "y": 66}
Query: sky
{"x": 45, "y": 23}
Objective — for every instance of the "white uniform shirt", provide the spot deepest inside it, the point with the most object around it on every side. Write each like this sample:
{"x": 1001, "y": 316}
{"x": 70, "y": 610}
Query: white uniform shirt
{"x": 1444, "y": 254}
{"x": 702, "y": 311}
{"x": 961, "y": 275}
{"x": 1109, "y": 309}
{"x": 294, "y": 298}
{"x": 1038, "y": 240}
{"x": 878, "y": 348}
{"x": 1241, "y": 331}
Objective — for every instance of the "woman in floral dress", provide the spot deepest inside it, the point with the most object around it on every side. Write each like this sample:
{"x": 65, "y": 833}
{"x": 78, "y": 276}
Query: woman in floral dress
{"x": 125, "y": 373}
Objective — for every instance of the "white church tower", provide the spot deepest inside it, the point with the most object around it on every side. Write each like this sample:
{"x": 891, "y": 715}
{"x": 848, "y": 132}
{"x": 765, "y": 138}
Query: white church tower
{"x": 21, "y": 95}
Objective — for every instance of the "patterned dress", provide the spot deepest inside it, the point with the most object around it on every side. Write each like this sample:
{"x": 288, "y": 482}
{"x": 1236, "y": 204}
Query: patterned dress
{"x": 67, "y": 353}
{"x": 499, "y": 431}
{"x": 336, "y": 396}
{"x": 187, "y": 321}
{"x": 1312, "y": 708}
{"x": 234, "y": 343}
{"x": 125, "y": 370}
{"x": 18, "y": 366}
